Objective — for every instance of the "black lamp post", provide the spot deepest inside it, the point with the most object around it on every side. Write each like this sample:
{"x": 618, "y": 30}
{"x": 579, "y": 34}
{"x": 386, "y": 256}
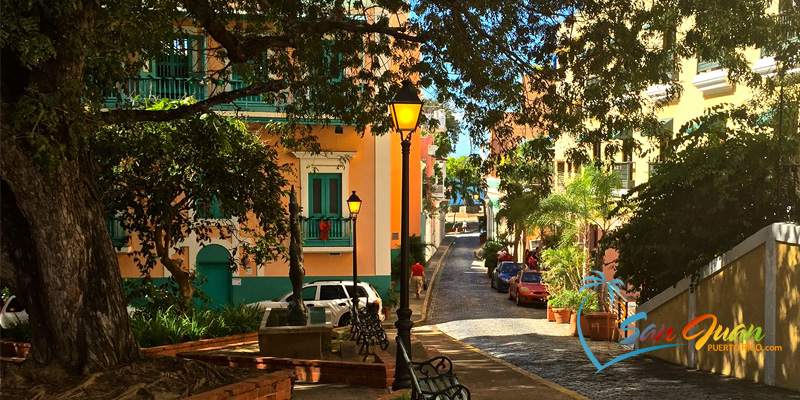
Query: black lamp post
{"x": 406, "y": 108}
{"x": 354, "y": 204}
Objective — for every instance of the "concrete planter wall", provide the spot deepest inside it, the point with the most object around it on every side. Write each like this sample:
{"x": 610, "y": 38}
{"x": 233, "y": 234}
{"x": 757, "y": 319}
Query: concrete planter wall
{"x": 379, "y": 374}
{"x": 274, "y": 386}
{"x": 14, "y": 349}
{"x": 204, "y": 344}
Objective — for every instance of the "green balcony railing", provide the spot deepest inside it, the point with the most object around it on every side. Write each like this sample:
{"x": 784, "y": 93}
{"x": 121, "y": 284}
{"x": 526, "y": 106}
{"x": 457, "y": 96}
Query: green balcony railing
{"x": 155, "y": 88}
{"x": 339, "y": 234}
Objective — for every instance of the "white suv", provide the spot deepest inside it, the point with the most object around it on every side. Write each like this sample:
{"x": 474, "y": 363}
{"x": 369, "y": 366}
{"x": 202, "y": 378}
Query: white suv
{"x": 333, "y": 295}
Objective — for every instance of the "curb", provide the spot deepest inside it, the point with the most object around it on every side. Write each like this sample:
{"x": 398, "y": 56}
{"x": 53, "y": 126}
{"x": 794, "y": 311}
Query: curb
{"x": 425, "y": 303}
{"x": 530, "y": 375}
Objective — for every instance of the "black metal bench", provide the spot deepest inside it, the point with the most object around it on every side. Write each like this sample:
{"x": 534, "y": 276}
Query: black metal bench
{"x": 433, "y": 379}
{"x": 367, "y": 329}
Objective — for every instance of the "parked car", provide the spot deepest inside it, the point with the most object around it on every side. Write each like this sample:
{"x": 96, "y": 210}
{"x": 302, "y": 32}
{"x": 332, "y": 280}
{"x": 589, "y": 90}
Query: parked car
{"x": 527, "y": 288}
{"x": 503, "y": 274}
{"x": 13, "y": 312}
{"x": 334, "y": 295}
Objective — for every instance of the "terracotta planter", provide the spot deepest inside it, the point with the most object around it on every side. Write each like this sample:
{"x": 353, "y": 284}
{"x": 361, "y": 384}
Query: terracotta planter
{"x": 562, "y": 315}
{"x": 573, "y": 326}
{"x": 551, "y": 317}
{"x": 601, "y": 325}
{"x": 387, "y": 311}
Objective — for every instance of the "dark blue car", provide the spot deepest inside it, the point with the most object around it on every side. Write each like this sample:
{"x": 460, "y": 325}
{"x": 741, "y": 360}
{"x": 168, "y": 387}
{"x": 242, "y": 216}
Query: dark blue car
{"x": 503, "y": 273}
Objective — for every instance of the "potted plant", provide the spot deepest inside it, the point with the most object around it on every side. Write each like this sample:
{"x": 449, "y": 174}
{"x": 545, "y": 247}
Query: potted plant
{"x": 559, "y": 303}
{"x": 390, "y": 300}
{"x": 551, "y": 317}
{"x": 602, "y": 324}
{"x": 574, "y": 304}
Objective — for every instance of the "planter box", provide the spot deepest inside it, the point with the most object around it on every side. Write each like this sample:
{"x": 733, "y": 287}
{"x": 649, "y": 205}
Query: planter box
{"x": 12, "y": 349}
{"x": 379, "y": 374}
{"x": 277, "y": 386}
{"x": 204, "y": 344}
{"x": 562, "y": 315}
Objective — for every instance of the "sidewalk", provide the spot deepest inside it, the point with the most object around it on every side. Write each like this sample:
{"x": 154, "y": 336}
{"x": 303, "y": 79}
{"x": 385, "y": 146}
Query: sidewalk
{"x": 486, "y": 376}
{"x": 419, "y": 307}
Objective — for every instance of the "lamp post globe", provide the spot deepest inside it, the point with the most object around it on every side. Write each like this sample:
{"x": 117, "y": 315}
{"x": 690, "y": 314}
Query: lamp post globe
{"x": 354, "y": 204}
{"x": 405, "y": 108}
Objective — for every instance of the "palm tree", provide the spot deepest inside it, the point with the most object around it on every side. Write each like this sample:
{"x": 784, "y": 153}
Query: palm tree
{"x": 588, "y": 203}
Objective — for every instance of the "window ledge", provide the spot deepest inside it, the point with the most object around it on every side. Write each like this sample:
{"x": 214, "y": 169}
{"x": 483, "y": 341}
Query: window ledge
{"x": 766, "y": 67}
{"x": 327, "y": 249}
{"x": 712, "y": 82}
{"x": 657, "y": 92}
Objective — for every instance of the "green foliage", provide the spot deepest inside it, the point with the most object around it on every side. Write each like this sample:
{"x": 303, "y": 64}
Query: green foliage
{"x": 5, "y": 293}
{"x": 148, "y": 298}
{"x": 416, "y": 253}
{"x": 168, "y": 326}
{"x": 563, "y": 266}
{"x": 718, "y": 187}
{"x": 490, "y": 249}
{"x": 391, "y": 298}
{"x": 560, "y": 298}
{"x": 20, "y": 331}
{"x": 464, "y": 178}
{"x": 161, "y": 180}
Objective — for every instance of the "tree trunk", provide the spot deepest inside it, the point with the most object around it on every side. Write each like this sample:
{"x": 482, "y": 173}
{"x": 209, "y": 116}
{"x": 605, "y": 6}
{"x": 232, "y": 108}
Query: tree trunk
{"x": 58, "y": 259}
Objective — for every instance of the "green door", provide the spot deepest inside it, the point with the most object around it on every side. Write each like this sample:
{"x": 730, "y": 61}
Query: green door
{"x": 214, "y": 263}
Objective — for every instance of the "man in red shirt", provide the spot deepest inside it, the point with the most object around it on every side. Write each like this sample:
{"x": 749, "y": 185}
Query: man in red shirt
{"x": 417, "y": 277}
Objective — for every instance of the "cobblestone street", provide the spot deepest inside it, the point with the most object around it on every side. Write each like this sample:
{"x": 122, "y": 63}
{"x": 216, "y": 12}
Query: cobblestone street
{"x": 464, "y": 307}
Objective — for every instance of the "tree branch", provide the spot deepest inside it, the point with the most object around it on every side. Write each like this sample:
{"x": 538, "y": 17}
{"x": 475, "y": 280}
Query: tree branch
{"x": 240, "y": 50}
{"x": 117, "y": 116}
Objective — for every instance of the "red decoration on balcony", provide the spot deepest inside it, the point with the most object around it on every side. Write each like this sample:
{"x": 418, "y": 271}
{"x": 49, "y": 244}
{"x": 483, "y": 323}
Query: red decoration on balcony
{"x": 324, "y": 227}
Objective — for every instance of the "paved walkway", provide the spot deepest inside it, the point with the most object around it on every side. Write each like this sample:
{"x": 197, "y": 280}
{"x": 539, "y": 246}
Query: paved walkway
{"x": 464, "y": 307}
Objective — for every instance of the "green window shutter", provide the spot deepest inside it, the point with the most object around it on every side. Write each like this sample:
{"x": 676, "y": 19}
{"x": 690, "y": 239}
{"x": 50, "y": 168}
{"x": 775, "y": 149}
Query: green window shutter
{"x": 705, "y": 65}
{"x": 214, "y": 211}
{"x": 118, "y": 233}
{"x": 325, "y": 195}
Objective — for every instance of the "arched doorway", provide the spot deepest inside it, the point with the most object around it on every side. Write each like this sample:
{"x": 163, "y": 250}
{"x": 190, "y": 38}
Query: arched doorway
{"x": 213, "y": 262}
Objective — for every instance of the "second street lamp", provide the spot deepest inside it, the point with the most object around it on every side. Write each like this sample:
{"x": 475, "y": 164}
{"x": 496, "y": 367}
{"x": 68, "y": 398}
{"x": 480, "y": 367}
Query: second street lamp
{"x": 406, "y": 108}
{"x": 354, "y": 204}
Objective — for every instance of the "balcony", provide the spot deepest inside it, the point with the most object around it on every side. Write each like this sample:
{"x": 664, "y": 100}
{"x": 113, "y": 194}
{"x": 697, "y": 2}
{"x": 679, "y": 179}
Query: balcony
{"x": 437, "y": 191}
{"x": 338, "y": 236}
{"x": 151, "y": 87}
{"x": 625, "y": 170}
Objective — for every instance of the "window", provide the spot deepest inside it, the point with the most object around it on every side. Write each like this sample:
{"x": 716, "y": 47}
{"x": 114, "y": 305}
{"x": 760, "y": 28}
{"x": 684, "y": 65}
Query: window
{"x": 214, "y": 211}
{"x": 176, "y": 62}
{"x": 669, "y": 43}
{"x": 361, "y": 291}
{"x": 118, "y": 234}
{"x": 706, "y": 65}
{"x": 668, "y": 125}
{"x": 325, "y": 195}
{"x": 309, "y": 294}
{"x": 331, "y": 292}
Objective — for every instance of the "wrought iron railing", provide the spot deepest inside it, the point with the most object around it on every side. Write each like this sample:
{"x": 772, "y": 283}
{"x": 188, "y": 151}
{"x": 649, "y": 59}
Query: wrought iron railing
{"x": 338, "y": 235}
{"x": 154, "y": 88}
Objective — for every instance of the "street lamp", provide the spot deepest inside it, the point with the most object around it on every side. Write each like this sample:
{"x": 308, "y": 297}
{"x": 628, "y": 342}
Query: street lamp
{"x": 354, "y": 204}
{"x": 485, "y": 218}
{"x": 406, "y": 108}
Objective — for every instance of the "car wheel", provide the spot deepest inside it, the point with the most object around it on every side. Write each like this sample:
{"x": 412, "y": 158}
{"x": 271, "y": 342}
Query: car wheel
{"x": 344, "y": 320}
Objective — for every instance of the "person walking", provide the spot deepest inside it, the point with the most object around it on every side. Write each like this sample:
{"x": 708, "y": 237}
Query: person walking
{"x": 464, "y": 227}
{"x": 418, "y": 277}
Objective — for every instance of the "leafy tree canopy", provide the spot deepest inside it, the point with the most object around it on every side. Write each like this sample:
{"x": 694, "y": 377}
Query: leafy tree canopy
{"x": 162, "y": 180}
{"x": 720, "y": 185}
{"x": 464, "y": 178}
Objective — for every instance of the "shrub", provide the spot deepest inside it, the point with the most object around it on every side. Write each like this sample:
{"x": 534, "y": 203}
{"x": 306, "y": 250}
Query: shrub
{"x": 20, "y": 331}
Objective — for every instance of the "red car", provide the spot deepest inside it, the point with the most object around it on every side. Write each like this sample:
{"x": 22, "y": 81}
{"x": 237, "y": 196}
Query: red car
{"x": 527, "y": 288}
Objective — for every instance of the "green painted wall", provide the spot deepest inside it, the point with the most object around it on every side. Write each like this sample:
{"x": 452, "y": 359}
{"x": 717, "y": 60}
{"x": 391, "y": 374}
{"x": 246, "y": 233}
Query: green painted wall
{"x": 260, "y": 288}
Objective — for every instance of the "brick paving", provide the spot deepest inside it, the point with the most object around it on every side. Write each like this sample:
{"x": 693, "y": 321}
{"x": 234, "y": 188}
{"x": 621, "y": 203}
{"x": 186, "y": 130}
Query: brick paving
{"x": 463, "y": 306}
